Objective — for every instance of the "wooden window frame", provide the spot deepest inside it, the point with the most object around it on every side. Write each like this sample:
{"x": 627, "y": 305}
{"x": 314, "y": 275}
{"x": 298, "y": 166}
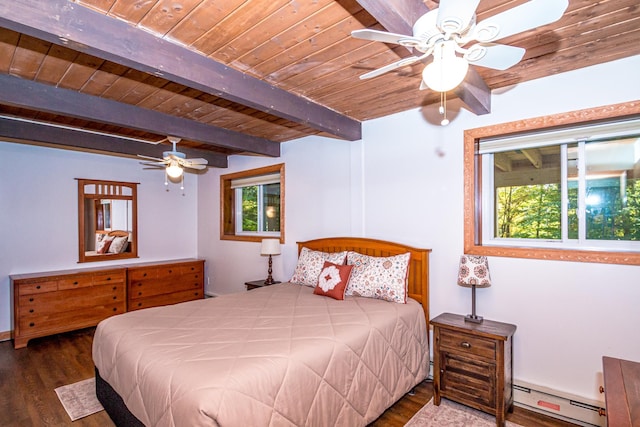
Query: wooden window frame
{"x": 473, "y": 185}
{"x": 227, "y": 203}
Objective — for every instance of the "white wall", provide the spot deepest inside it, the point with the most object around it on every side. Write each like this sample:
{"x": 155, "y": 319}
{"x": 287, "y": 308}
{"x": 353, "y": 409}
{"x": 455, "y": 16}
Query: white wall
{"x": 317, "y": 203}
{"x": 404, "y": 182}
{"x": 568, "y": 314}
{"x": 39, "y": 212}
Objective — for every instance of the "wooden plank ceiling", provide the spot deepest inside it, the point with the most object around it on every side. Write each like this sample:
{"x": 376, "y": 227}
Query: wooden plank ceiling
{"x": 242, "y": 76}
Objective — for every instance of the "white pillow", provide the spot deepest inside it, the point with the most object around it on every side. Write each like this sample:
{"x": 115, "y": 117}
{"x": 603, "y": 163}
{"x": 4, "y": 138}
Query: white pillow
{"x": 379, "y": 277}
{"x": 310, "y": 264}
{"x": 118, "y": 245}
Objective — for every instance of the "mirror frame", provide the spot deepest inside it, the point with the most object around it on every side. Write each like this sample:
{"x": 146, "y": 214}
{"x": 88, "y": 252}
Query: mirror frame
{"x": 114, "y": 190}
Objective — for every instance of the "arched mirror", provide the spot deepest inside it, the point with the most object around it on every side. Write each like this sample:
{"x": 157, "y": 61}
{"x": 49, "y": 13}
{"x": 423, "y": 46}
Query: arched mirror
{"x": 107, "y": 220}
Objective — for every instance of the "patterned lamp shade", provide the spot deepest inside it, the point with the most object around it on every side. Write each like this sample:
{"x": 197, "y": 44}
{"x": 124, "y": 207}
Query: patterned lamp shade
{"x": 474, "y": 270}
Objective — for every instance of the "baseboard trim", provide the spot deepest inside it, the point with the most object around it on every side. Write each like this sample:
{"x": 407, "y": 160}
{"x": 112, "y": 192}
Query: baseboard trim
{"x": 5, "y": 336}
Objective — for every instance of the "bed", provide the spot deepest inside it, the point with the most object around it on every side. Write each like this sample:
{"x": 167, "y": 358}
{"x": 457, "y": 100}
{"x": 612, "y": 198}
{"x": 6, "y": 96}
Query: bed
{"x": 279, "y": 355}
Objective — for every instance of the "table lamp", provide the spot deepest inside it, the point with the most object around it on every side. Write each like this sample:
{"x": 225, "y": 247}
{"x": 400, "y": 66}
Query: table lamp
{"x": 270, "y": 247}
{"x": 474, "y": 273}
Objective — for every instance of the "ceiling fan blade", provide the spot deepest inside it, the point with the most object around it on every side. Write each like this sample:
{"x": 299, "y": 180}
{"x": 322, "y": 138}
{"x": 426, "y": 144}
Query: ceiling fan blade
{"x": 533, "y": 14}
{"x": 154, "y": 165}
{"x": 195, "y": 166}
{"x": 383, "y": 36}
{"x": 150, "y": 158}
{"x": 455, "y": 15}
{"x": 406, "y": 61}
{"x": 493, "y": 55}
{"x": 197, "y": 161}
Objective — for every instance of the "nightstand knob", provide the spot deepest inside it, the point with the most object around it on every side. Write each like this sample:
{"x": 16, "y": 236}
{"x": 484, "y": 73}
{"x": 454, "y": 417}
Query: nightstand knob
{"x": 465, "y": 344}
{"x": 601, "y": 389}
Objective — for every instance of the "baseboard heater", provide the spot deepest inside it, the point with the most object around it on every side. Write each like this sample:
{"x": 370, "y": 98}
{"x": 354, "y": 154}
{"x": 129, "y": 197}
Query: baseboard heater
{"x": 574, "y": 409}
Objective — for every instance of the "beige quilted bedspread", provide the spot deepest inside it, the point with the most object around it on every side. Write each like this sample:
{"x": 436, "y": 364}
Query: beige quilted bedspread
{"x": 277, "y": 356}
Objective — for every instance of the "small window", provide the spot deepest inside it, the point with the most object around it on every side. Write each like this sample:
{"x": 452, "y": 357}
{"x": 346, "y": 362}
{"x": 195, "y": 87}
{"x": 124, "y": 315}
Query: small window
{"x": 253, "y": 204}
{"x": 570, "y": 192}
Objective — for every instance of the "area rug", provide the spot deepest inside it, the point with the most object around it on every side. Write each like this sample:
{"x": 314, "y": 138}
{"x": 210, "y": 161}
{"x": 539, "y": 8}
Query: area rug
{"x": 79, "y": 399}
{"x": 449, "y": 413}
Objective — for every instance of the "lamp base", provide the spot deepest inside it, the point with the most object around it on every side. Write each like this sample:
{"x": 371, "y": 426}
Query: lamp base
{"x": 472, "y": 318}
{"x": 269, "y": 281}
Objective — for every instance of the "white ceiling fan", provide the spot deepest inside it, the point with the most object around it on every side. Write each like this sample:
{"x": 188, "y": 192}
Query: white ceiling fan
{"x": 447, "y": 32}
{"x": 174, "y": 161}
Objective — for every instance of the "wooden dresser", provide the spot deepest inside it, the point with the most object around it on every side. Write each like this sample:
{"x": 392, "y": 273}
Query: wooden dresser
{"x": 162, "y": 283}
{"x": 473, "y": 364}
{"x": 621, "y": 392}
{"x": 53, "y": 302}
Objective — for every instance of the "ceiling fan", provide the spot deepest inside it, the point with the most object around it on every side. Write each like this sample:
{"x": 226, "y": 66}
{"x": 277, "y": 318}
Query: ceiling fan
{"x": 174, "y": 161}
{"x": 446, "y": 34}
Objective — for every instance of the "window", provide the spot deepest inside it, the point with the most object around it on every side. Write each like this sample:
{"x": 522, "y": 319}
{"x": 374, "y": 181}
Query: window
{"x": 253, "y": 204}
{"x": 569, "y": 191}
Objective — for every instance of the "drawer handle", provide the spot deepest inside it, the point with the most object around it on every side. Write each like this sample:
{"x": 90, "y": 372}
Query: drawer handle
{"x": 115, "y": 309}
{"x": 601, "y": 389}
{"x": 139, "y": 304}
{"x": 602, "y": 412}
{"x": 465, "y": 344}
{"x": 75, "y": 283}
{"x": 108, "y": 278}
{"x": 114, "y": 288}
{"x": 31, "y": 311}
{"x": 32, "y": 324}
{"x": 144, "y": 275}
{"x": 38, "y": 287}
{"x": 30, "y": 299}
{"x": 170, "y": 271}
{"x": 139, "y": 293}
{"x": 115, "y": 297}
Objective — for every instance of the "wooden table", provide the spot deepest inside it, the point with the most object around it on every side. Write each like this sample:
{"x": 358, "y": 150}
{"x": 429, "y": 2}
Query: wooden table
{"x": 621, "y": 392}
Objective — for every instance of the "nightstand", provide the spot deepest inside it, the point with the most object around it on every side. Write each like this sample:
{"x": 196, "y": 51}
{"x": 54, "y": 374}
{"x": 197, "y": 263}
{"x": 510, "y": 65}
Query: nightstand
{"x": 473, "y": 364}
{"x": 257, "y": 284}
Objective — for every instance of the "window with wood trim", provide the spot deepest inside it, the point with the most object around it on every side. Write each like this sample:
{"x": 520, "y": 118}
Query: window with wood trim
{"x": 252, "y": 204}
{"x": 563, "y": 187}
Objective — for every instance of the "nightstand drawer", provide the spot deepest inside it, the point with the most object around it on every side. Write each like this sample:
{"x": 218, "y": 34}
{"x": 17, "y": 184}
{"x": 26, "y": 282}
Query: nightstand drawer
{"x": 464, "y": 343}
{"x": 467, "y": 379}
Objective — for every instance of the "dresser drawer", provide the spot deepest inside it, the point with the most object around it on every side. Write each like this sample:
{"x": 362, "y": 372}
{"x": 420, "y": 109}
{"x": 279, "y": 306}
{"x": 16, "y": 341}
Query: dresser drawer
{"x": 75, "y": 282}
{"x": 37, "y": 287}
{"x": 191, "y": 268}
{"x": 107, "y": 278}
{"x": 165, "y": 299}
{"x": 142, "y": 273}
{"x": 463, "y": 343}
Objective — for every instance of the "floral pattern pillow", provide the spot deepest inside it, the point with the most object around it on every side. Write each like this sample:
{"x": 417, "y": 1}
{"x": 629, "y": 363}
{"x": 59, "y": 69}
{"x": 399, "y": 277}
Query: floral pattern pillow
{"x": 118, "y": 245}
{"x": 379, "y": 277}
{"x": 310, "y": 264}
{"x": 332, "y": 280}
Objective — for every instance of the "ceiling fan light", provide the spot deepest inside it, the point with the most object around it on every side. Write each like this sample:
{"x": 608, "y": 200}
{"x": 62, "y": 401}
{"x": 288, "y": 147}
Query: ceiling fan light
{"x": 445, "y": 74}
{"x": 174, "y": 170}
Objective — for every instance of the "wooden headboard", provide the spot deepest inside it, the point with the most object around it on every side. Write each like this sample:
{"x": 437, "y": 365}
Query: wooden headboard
{"x": 418, "y": 282}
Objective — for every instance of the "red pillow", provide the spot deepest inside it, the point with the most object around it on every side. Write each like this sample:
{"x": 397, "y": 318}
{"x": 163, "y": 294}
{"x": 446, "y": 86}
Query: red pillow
{"x": 333, "y": 280}
{"x": 103, "y": 246}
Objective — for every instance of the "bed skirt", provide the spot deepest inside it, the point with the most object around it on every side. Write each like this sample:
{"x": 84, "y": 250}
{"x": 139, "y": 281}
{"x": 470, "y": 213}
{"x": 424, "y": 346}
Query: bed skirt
{"x": 114, "y": 405}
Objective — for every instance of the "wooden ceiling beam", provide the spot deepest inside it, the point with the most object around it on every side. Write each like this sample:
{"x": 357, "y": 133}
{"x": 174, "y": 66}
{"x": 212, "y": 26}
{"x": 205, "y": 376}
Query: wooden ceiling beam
{"x": 68, "y": 24}
{"x": 398, "y": 16}
{"x": 28, "y": 94}
{"x": 43, "y": 133}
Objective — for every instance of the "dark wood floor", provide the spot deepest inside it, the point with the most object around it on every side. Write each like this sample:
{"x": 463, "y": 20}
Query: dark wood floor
{"x": 29, "y": 376}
